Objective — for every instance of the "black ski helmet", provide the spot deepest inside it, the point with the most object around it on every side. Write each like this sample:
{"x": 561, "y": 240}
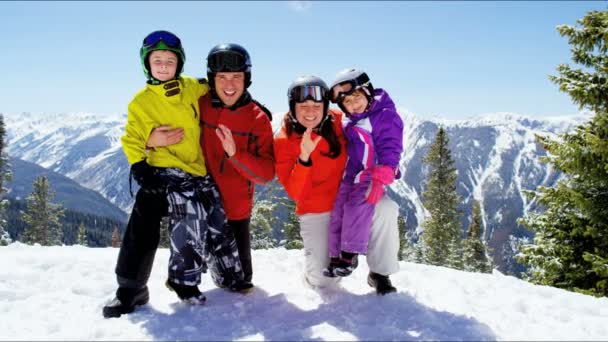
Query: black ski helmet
{"x": 229, "y": 57}
{"x": 161, "y": 40}
{"x": 308, "y": 88}
{"x": 356, "y": 79}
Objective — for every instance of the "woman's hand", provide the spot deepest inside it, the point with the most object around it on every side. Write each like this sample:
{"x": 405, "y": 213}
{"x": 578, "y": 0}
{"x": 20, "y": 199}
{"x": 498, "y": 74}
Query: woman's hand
{"x": 308, "y": 145}
{"x": 226, "y": 138}
{"x": 164, "y": 136}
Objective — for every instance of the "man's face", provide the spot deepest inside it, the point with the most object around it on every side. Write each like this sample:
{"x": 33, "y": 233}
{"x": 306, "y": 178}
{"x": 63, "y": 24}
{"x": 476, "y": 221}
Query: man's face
{"x": 229, "y": 86}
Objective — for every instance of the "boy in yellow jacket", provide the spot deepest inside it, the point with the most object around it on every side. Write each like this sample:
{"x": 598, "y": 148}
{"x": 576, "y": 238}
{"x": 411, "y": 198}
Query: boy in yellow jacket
{"x": 173, "y": 180}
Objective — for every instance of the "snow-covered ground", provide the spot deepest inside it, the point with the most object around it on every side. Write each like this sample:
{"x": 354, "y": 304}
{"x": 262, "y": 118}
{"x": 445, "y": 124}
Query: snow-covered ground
{"x": 57, "y": 293}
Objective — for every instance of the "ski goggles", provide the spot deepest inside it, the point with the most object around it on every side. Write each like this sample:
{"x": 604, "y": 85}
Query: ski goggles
{"x": 227, "y": 61}
{"x": 343, "y": 89}
{"x": 154, "y": 38}
{"x": 308, "y": 92}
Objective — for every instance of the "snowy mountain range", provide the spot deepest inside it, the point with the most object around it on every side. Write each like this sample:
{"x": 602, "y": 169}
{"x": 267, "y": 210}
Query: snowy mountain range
{"x": 496, "y": 156}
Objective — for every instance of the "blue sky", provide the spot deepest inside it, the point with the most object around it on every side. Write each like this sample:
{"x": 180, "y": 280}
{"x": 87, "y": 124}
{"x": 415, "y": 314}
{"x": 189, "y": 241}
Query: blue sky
{"x": 448, "y": 59}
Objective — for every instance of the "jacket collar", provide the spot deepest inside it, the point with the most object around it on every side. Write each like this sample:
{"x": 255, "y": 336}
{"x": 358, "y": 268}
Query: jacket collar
{"x": 167, "y": 89}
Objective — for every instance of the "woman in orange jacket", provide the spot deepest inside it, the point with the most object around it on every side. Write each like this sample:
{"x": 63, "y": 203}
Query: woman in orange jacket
{"x": 310, "y": 157}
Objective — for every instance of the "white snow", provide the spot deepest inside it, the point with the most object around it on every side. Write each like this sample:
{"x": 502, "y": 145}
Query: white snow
{"x": 57, "y": 293}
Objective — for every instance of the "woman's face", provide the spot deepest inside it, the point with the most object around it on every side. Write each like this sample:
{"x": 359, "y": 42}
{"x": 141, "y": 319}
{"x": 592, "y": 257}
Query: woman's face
{"x": 309, "y": 113}
{"x": 163, "y": 64}
{"x": 355, "y": 102}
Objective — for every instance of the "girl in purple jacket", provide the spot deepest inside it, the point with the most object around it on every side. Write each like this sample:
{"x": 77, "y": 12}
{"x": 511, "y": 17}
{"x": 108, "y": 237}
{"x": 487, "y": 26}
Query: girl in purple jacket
{"x": 374, "y": 136}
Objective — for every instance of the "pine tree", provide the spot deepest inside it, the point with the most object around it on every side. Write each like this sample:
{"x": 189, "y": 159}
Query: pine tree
{"x": 292, "y": 227}
{"x": 115, "y": 238}
{"x": 406, "y": 247}
{"x": 442, "y": 235}
{"x": 474, "y": 251}
{"x": 82, "y": 235}
{"x": 262, "y": 221}
{"x": 42, "y": 217}
{"x": 570, "y": 248}
{"x": 5, "y": 175}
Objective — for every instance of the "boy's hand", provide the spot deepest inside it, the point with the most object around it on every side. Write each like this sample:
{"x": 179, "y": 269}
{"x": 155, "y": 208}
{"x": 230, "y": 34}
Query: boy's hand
{"x": 227, "y": 140}
{"x": 164, "y": 136}
{"x": 144, "y": 175}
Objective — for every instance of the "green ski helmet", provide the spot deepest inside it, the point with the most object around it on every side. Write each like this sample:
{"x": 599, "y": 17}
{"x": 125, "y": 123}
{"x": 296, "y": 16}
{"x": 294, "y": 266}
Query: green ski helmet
{"x": 161, "y": 40}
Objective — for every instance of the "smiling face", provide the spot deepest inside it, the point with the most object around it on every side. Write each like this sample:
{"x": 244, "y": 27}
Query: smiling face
{"x": 309, "y": 113}
{"x": 355, "y": 102}
{"x": 163, "y": 64}
{"x": 229, "y": 86}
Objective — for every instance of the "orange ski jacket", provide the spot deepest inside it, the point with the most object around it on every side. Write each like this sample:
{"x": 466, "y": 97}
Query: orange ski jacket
{"x": 313, "y": 188}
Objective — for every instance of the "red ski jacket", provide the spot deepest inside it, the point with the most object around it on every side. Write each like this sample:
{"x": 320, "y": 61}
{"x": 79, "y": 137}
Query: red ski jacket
{"x": 253, "y": 161}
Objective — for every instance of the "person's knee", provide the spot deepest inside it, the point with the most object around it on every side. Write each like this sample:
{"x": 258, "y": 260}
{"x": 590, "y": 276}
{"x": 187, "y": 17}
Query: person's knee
{"x": 386, "y": 207}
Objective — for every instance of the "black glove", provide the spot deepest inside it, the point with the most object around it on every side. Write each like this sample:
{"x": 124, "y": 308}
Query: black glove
{"x": 144, "y": 175}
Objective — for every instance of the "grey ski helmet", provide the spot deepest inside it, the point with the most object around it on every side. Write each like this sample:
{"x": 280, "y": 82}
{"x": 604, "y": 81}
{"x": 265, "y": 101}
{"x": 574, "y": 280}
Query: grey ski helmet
{"x": 349, "y": 81}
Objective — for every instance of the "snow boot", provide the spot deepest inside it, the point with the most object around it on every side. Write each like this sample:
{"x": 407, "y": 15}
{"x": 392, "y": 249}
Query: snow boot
{"x": 240, "y": 286}
{"x": 188, "y": 294}
{"x": 347, "y": 264}
{"x": 381, "y": 283}
{"x": 243, "y": 287}
{"x": 329, "y": 270}
{"x": 125, "y": 301}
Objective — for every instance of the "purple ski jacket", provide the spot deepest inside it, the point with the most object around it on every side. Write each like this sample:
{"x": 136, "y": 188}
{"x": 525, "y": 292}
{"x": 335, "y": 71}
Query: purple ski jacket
{"x": 374, "y": 137}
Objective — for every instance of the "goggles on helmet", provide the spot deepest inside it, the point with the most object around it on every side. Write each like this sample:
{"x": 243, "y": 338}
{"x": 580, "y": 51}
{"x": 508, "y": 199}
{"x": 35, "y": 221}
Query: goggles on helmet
{"x": 343, "y": 89}
{"x": 227, "y": 61}
{"x": 154, "y": 38}
{"x": 308, "y": 92}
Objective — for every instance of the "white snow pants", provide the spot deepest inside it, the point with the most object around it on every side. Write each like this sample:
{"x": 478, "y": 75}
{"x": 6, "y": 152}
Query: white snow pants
{"x": 381, "y": 253}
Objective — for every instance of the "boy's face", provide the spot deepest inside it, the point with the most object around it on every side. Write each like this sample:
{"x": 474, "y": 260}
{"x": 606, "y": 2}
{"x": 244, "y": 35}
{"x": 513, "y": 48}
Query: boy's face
{"x": 355, "y": 102}
{"x": 229, "y": 86}
{"x": 163, "y": 64}
{"x": 309, "y": 113}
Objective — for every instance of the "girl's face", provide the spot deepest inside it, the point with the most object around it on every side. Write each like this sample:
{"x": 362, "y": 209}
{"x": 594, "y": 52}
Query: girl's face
{"x": 309, "y": 113}
{"x": 355, "y": 102}
{"x": 163, "y": 64}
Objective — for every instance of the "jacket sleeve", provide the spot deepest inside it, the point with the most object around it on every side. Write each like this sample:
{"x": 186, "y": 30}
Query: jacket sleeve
{"x": 134, "y": 140}
{"x": 256, "y": 163}
{"x": 388, "y": 138}
{"x": 202, "y": 86}
{"x": 295, "y": 177}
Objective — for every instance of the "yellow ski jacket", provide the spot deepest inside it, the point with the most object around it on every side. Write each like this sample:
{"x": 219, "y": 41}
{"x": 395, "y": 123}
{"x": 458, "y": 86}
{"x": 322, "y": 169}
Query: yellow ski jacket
{"x": 173, "y": 103}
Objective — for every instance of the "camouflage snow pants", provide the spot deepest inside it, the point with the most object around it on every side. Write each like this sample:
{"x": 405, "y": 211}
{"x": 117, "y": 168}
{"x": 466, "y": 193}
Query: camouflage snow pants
{"x": 199, "y": 231}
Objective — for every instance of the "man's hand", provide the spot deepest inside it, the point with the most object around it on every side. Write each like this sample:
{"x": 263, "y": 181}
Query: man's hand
{"x": 308, "y": 145}
{"x": 164, "y": 136}
{"x": 227, "y": 140}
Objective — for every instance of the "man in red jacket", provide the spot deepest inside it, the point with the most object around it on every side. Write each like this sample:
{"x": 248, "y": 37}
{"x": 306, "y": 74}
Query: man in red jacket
{"x": 236, "y": 138}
